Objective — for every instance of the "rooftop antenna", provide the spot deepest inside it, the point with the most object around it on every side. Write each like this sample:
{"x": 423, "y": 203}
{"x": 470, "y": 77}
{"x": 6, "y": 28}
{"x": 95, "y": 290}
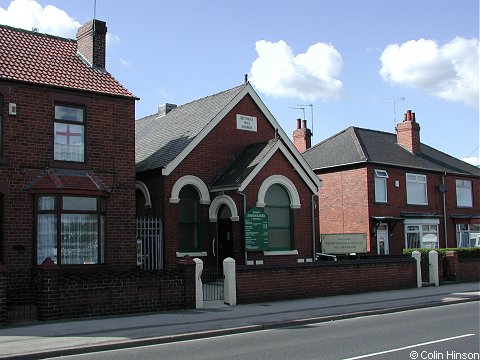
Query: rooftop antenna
{"x": 299, "y": 108}
{"x": 395, "y": 111}
{"x": 311, "y": 110}
{"x": 94, "y": 14}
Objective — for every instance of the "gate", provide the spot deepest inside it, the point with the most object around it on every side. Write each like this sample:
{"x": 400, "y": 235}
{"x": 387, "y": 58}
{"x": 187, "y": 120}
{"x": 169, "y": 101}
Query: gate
{"x": 212, "y": 284}
{"x": 149, "y": 243}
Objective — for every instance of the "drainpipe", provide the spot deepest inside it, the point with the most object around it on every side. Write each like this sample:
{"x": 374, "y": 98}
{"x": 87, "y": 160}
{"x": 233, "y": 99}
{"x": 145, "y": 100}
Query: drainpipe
{"x": 244, "y": 212}
{"x": 313, "y": 226}
{"x": 444, "y": 210}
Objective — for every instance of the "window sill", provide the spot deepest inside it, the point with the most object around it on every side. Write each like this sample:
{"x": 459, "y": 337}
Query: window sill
{"x": 181, "y": 254}
{"x": 280, "y": 252}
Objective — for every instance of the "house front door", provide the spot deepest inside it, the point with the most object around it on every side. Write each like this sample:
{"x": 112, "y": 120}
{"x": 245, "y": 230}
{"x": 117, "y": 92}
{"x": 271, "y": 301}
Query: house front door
{"x": 382, "y": 240}
{"x": 225, "y": 241}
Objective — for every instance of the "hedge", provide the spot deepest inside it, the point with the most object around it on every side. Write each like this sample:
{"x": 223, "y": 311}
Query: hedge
{"x": 463, "y": 253}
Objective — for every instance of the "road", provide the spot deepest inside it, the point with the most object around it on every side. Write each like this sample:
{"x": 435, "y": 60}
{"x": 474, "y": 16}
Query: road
{"x": 443, "y": 332}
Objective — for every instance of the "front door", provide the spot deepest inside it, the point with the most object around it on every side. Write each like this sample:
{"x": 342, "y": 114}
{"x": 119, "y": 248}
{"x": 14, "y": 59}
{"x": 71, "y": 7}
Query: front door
{"x": 225, "y": 241}
{"x": 382, "y": 240}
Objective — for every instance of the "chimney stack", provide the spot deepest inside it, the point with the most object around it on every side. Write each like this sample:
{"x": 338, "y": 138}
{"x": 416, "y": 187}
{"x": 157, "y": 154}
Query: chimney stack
{"x": 408, "y": 133}
{"x": 165, "y": 109}
{"x": 302, "y": 137}
{"x": 91, "y": 38}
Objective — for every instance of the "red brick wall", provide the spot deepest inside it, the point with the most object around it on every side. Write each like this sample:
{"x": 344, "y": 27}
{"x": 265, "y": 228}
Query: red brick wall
{"x": 70, "y": 294}
{"x": 343, "y": 203}
{"x": 323, "y": 279}
{"x": 468, "y": 270}
{"x": 27, "y": 153}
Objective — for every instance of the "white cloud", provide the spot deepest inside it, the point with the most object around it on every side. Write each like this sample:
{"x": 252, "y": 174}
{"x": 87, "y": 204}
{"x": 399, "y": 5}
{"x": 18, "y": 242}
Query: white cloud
{"x": 449, "y": 71}
{"x": 473, "y": 160}
{"x": 28, "y": 14}
{"x": 309, "y": 76}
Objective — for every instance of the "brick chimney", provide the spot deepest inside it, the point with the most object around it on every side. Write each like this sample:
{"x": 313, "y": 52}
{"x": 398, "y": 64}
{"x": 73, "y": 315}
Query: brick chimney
{"x": 91, "y": 38}
{"x": 302, "y": 137}
{"x": 408, "y": 133}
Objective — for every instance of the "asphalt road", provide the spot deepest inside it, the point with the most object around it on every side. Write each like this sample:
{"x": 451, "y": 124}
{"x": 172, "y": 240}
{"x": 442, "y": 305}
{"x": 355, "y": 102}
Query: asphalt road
{"x": 444, "y": 332}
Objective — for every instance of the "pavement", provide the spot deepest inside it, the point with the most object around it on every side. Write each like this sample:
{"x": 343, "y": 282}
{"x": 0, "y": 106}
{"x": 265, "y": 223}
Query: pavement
{"x": 40, "y": 340}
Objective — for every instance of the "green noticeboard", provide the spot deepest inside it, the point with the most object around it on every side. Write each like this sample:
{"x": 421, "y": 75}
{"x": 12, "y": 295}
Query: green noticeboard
{"x": 256, "y": 230}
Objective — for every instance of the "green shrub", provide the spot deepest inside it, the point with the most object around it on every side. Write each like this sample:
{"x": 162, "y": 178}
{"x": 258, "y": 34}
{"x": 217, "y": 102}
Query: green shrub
{"x": 463, "y": 253}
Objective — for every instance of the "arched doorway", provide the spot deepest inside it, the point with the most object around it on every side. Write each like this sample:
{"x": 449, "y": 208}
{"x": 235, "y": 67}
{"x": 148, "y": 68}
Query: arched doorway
{"x": 225, "y": 238}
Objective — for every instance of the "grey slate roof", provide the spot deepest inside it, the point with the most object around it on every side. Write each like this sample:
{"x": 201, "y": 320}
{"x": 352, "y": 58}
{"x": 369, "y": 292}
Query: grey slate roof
{"x": 243, "y": 164}
{"x": 159, "y": 140}
{"x": 356, "y": 145}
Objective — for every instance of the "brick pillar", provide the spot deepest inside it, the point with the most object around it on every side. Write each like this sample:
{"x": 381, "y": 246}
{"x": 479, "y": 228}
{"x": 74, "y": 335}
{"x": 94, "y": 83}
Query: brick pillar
{"x": 48, "y": 296}
{"x": 3, "y": 294}
{"x": 188, "y": 266}
{"x": 452, "y": 265}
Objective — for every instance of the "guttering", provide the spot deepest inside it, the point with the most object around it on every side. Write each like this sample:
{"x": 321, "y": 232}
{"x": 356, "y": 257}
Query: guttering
{"x": 313, "y": 225}
{"x": 444, "y": 210}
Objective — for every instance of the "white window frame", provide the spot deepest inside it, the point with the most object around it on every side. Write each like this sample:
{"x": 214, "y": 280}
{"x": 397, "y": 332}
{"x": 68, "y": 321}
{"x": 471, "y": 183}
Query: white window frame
{"x": 466, "y": 229}
{"x": 417, "y": 179}
{"x": 464, "y": 193}
{"x": 420, "y": 223}
{"x": 381, "y": 177}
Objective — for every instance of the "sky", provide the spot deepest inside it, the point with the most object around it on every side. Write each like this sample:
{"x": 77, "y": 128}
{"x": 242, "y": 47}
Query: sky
{"x": 360, "y": 63}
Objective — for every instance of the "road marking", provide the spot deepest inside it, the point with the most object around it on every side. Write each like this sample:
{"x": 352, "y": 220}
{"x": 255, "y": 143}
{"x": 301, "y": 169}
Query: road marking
{"x": 409, "y": 347}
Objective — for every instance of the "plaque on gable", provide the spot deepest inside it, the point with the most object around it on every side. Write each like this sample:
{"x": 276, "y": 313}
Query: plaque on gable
{"x": 256, "y": 230}
{"x": 247, "y": 123}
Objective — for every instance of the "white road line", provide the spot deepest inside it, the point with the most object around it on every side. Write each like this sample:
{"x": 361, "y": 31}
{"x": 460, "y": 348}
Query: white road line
{"x": 409, "y": 347}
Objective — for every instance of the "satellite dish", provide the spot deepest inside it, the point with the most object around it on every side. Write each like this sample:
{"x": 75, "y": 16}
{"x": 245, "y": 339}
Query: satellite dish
{"x": 442, "y": 188}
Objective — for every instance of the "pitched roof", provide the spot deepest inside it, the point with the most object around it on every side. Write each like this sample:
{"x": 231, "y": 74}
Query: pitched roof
{"x": 160, "y": 139}
{"x": 356, "y": 145}
{"x": 243, "y": 165}
{"x": 50, "y": 60}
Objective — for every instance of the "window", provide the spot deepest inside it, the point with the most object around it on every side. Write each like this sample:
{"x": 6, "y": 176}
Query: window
{"x": 381, "y": 177}
{"x": 417, "y": 189}
{"x": 277, "y": 207}
{"x": 69, "y": 134}
{"x": 70, "y": 229}
{"x": 468, "y": 235}
{"x": 421, "y": 236}
{"x": 464, "y": 193}
{"x": 189, "y": 219}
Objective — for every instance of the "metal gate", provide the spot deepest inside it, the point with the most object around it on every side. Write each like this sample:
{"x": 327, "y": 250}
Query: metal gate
{"x": 149, "y": 243}
{"x": 212, "y": 284}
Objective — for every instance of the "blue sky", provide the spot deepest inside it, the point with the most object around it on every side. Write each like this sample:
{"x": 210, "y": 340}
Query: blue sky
{"x": 348, "y": 58}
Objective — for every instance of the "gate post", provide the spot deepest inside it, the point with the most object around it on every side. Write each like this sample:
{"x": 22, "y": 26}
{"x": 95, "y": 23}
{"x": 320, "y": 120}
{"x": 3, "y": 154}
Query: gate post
{"x": 229, "y": 285}
{"x": 198, "y": 283}
{"x": 433, "y": 267}
{"x": 418, "y": 257}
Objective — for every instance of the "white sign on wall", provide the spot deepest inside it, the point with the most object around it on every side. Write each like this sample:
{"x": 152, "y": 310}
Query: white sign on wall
{"x": 248, "y": 123}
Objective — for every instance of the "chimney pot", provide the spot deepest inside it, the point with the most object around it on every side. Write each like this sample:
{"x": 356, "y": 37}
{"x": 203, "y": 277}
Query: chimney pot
{"x": 304, "y": 124}
{"x": 299, "y": 122}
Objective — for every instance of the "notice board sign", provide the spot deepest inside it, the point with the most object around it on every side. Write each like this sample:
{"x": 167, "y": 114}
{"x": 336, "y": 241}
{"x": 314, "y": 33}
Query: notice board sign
{"x": 344, "y": 243}
{"x": 256, "y": 230}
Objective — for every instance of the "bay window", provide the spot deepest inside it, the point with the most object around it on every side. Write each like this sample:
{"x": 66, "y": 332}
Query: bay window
{"x": 70, "y": 229}
{"x": 468, "y": 235}
{"x": 421, "y": 234}
{"x": 69, "y": 134}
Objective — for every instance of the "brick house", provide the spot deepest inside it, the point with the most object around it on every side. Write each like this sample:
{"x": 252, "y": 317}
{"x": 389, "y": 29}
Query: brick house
{"x": 205, "y": 166}
{"x": 66, "y": 159}
{"x": 399, "y": 192}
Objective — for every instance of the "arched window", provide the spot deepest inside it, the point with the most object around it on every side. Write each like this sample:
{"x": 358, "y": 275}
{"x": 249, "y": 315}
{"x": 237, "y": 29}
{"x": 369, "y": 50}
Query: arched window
{"x": 277, "y": 207}
{"x": 189, "y": 219}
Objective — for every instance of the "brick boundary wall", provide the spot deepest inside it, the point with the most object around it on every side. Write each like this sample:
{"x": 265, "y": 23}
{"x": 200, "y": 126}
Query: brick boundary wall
{"x": 269, "y": 283}
{"x": 74, "y": 293}
{"x": 461, "y": 270}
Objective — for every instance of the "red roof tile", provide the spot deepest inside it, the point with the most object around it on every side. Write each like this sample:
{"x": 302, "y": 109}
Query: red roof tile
{"x": 50, "y": 60}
